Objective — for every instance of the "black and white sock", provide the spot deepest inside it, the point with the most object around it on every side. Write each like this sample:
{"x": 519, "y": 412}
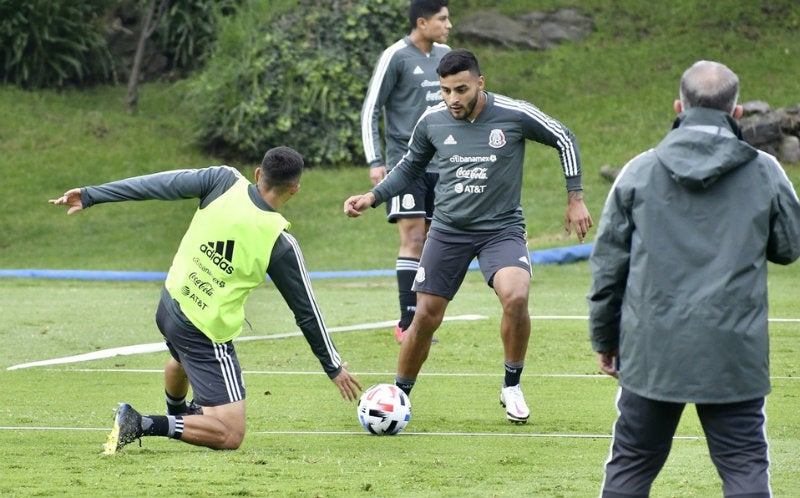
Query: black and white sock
{"x": 175, "y": 406}
{"x": 513, "y": 373}
{"x": 406, "y": 269}
{"x": 162, "y": 425}
{"x": 405, "y": 385}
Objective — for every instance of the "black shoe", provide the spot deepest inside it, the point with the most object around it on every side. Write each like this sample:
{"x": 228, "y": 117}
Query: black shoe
{"x": 190, "y": 408}
{"x": 127, "y": 429}
{"x": 193, "y": 408}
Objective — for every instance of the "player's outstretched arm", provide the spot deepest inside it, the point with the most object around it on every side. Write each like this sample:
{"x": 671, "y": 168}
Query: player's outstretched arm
{"x": 348, "y": 385}
{"x": 71, "y": 198}
{"x": 357, "y": 204}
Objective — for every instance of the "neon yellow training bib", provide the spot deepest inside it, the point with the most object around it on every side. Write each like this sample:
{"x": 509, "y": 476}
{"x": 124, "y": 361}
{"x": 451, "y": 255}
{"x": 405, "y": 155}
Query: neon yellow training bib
{"x": 223, "y": 256}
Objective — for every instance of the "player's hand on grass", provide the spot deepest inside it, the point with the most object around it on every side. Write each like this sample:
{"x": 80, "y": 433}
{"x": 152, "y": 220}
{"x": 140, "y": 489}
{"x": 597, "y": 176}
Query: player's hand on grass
{"x": 348, "y": 385}
{"x": 357, "y": 204}
{"x": 70, "y": 198}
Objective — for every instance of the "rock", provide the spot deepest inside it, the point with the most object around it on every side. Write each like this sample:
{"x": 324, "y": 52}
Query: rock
{"x": 534, "y": 31}
{"x": 755, "y": 107}
{"x": 791, "y": 121}
{"x": 776, "y": 132}
{"x": 789, "y": 149}
{"x": 760, "y": 129}
{"x": 608, "y": 172}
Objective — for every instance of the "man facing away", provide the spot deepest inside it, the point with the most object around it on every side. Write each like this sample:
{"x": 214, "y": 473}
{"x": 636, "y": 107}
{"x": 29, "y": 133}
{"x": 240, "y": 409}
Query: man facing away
{"x": 404, "y": 84}
{"x": 477, "y": 140}
{"x": 236, "y": 238}
{"x": 679, "y": 290}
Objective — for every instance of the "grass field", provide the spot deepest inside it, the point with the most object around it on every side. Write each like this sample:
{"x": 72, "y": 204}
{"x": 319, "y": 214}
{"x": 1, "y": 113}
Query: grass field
{"x": 304, "y": 441}
{"x": 614, "y": 90}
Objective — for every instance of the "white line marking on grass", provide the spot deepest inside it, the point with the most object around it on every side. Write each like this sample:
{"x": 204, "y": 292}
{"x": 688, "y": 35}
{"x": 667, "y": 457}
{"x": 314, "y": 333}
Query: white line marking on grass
{"x": 105, "y": 429}
{"x": 371, "y": 374}
{"x": 96, "y": 355}
{"x": 456, "y": 434}
{"x": 427, "y": 374}
{"x": 579, "y": 317}
{"x": 365, "y": 434}
{"x": 160, "y": 346}
{"x": 315, "y": 373}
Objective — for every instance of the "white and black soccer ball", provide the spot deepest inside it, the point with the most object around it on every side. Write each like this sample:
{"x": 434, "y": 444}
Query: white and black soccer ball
{"x": 384, "y": 409}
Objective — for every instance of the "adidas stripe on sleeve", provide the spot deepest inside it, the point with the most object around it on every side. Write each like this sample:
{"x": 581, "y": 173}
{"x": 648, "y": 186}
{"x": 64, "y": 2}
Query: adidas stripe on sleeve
{"x": 380, "y": 84}
{"x": 288, "y": 272}
{"x": 547, "y": 130}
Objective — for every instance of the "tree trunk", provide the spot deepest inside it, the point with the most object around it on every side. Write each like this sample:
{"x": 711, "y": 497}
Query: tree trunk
{"x": 151, "y": 19}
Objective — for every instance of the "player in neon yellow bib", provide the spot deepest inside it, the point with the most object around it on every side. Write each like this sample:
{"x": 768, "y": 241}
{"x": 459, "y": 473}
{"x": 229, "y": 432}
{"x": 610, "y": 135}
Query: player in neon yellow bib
{"x": 210, "y": 287}
{"x": 235, "y": 239}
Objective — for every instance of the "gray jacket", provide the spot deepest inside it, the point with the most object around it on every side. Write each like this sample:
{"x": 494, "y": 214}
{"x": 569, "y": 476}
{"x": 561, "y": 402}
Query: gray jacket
{"x": 679, "y": 264}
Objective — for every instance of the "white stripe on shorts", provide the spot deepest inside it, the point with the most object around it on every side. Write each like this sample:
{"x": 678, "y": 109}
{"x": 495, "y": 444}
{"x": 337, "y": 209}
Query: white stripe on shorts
{"x": 228, "y": 370}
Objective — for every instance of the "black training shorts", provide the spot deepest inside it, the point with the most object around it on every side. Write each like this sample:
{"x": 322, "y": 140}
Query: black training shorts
{"x": 213, "y": 368}
{"x": 446, "y": 257}
{"x": 415, "y": 202}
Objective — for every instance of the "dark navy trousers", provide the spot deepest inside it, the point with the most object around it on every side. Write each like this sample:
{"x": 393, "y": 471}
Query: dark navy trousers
{"x": 643, "y": 432}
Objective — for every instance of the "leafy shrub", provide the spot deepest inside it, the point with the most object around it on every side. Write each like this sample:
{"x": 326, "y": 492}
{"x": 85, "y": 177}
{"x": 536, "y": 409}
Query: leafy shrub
{"x": 297, "y": 80}
{"x": 53, "y": 43}
{"x": 188, "y": 31}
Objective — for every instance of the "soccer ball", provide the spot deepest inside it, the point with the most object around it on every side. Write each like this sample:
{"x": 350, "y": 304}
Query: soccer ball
{"x": 384, "y": 409}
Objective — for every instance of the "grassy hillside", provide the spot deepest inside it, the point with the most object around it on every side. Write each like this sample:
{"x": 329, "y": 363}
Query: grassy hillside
{"x": 614, "y": 90}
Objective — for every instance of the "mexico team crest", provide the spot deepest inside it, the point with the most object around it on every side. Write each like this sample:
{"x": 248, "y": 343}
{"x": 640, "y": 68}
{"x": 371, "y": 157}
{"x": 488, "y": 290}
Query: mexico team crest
{"x": 497, "y": 138}
{"x": 408, "y": 201}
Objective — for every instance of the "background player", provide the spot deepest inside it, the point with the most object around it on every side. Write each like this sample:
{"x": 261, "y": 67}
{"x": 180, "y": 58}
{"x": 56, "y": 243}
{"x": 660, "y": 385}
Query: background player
{"x": 404, "y": 84}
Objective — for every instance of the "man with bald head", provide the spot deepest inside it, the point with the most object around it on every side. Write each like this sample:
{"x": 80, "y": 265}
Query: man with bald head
{"x": 678, "y": 303}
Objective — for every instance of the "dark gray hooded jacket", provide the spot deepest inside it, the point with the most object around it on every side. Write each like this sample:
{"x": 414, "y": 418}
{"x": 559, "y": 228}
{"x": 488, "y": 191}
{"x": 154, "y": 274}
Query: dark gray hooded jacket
{"x": 679, "y": 264}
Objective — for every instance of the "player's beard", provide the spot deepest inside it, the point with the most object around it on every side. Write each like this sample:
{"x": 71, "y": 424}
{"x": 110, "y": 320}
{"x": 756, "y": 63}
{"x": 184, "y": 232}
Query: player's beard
{"x": 467, "y": 108}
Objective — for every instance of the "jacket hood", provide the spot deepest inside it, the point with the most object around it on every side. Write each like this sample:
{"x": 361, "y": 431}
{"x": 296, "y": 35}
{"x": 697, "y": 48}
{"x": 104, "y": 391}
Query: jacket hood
{"x": 704, "y": 145}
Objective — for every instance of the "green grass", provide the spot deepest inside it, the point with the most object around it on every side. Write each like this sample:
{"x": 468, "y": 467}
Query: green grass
{"x": 614, "y": 90}
{"x": 304, "y": 441}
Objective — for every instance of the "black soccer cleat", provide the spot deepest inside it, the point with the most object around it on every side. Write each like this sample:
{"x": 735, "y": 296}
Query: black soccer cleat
{"x": 193, "y": 408}
{"x": 127, "y": 429}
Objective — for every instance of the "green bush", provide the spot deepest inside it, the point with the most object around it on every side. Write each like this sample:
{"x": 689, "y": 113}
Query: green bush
{"x": 297, "y": 80}
{"x": 53, "y": 43}
{"x": 188, "y": 31}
